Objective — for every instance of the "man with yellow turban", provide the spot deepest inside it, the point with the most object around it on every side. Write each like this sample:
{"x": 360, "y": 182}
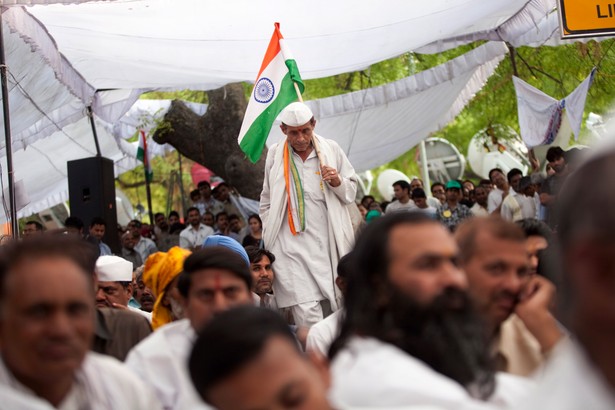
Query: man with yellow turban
{"x": 161, "y": 275}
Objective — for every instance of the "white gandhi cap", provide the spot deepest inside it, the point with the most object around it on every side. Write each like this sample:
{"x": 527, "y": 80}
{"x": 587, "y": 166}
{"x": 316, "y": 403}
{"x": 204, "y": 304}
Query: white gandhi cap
{"x": 113, "y": 269}
{"x": 296, "y": 114}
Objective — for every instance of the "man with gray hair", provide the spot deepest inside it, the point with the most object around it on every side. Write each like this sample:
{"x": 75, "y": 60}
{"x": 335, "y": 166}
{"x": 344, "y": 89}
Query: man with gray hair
{"x": 308, "y": 185}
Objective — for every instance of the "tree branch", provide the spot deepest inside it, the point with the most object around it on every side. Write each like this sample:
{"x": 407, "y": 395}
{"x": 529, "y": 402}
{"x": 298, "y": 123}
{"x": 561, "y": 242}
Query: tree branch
{"x": 532, "y": 68}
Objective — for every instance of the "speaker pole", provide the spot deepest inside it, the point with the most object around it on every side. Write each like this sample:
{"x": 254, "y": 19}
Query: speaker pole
{"x": 93, "y": 125}
{"x": 7, "y": 138}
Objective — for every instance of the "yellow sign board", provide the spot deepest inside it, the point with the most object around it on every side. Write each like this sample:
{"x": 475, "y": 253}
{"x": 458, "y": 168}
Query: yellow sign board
{"x": 587, "y": 18}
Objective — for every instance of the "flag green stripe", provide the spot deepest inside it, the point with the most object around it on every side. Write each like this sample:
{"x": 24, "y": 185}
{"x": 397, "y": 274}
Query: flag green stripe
{"x": 256, "y": 136}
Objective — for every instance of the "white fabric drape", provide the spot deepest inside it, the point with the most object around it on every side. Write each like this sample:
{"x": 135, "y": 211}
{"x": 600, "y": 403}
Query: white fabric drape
{"x": 540, "y": 115}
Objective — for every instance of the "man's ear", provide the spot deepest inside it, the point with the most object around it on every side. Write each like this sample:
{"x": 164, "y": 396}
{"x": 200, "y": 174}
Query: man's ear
{"x": 313, "y": 122}
{"x": 283, "y": 128}
{"x": 321, "y": 364}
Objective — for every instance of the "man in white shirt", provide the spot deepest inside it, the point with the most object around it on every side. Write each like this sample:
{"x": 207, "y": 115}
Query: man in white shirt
{"x": 214, "y": 279}
{"x": 145, "y": 246}
{"x": 581, "y": 375}
{"x": 517, "y": 206}
{"x": 497, "y": 194}
{"x": 409, "y": 335}
{"x": 401, "y": 190}
{"x": 114, "y": 286}
{"x": 194, "y": 235}
{"x": 46, "y": 327}
{"x": 480, "y": 207}
{"x": 422, "y": 203}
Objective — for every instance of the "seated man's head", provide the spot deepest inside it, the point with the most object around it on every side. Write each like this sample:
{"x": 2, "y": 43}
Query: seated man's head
{"x": 74, "y": 226}
{"x": 496, "y": 263}
{"x": 173, "y": 217}
{"x": 208, "y": 219}
{"x": 419, "y": 198}
{"x": 129, "y": 241}
{"x": 161, "y": 274}
{"x": 538, "y": 236}
{"x": 32, "y": 228}
{"x": 234, "y": 223}
{"x": 261, "y": 265}
{"x": 195, "y": 196}
{"x": 222, "y": 221}
{"x": 239, "y": 347}
{"x": 114, "y": 281}
{"x": 97, "y": 228}
{"x": 46, "y": 311}
{"x": 142, "y": 293}
{"x": 214, "y": 280}
{"x": 406, "y": 289}
{"x": 438, "y": 191}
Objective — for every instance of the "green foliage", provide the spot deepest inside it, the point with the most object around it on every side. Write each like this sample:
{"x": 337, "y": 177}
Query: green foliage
{"x": 554, "y": 70}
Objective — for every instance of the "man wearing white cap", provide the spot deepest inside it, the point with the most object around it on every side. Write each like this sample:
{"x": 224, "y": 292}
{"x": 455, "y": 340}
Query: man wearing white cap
{"x": 308, "y": 185}
{"x": 114, "y": 289}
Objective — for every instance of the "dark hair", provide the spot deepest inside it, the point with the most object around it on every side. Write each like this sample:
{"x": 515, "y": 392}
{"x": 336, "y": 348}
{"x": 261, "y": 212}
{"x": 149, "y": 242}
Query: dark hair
{"x": 402, "y": 184}
{"x": 232, "y": 217}
{"x": 221, "y": 184}
{"x": 209, "y": 213}
{"x": 177, "y": 227}
{"x": 98, "y": 221}
{"x": 136, "y": 223}
{"x": 37, "y": 224}
{"x": 370, "y": 265}
{"x": 534, "y": 227}
{"x": 419, "y": 193}
{"x": 73, "y": 222}
{"x": 345, "y": 266}
{"x": 157, "y": 214}
{"x": 555, "y": 153}
{"x": 214, "y": 257}
{"x": 468, "y": 231}
{"x": 255, "y": 216}
{"x": 485, "y": 182}
{"x": 435, "y": 184}
{"x": 495, "y": 170}
{"x": 512, "y": 173}
{"x": 219, "y": 214}
{"x": 255, "y": 254}
{"x": 192, "y": 208}
{"x": 194, "y": 193}
{"x": 80, "y": 252}
{"x": 203, "y": 183}
{"x": 231, "y": 340}
{"x": 174, "y": 213}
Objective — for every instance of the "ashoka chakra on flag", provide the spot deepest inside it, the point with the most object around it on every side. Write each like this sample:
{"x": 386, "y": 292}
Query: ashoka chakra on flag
{"x": 264, "y": 91}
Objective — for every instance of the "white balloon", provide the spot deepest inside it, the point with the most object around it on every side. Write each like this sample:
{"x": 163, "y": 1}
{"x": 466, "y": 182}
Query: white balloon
{"x": 386, "y": 180}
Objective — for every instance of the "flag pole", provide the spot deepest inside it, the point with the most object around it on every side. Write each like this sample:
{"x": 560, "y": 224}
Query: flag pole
{"x": 149, "y": 196}
{"x": 314, "y": 141}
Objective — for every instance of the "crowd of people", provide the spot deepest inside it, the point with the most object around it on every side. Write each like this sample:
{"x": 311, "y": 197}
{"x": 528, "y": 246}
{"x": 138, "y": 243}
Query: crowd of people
{"x": 490, "y": 296}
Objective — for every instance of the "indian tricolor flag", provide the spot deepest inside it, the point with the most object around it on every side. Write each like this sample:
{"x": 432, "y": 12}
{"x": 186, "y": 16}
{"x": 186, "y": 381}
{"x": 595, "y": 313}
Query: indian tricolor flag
{"x": 143, "y": 156}
{"x": 273, "y": 90}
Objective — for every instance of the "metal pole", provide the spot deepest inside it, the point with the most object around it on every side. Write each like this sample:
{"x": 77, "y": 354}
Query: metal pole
{"x": 7, "y": 137}
{"x": 181, "y": 183}
{"x": 424, "y": 167}
{"x": 91, "y": 117}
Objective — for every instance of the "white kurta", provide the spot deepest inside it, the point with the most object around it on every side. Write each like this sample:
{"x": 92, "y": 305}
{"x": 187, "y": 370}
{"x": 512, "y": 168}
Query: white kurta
{"x": 322, "y": 334}
{"x": 570, "y": 381}
{"x": 102, "y": 383}
{"x": 161, "y": 361}
{"x": 368, "y": 372}
{"x": 306, "y": 264}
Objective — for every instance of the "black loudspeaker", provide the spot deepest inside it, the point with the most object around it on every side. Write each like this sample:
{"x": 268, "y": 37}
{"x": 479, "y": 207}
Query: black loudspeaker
{"x": 91, "y": 193}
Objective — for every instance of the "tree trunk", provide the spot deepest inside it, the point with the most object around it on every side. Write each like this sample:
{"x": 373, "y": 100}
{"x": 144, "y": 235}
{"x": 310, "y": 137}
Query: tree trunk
{"x": 211, "y": 139}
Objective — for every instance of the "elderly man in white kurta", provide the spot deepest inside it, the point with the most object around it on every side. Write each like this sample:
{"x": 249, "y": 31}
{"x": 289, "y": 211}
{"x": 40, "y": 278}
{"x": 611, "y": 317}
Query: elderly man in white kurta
{"x": 306, "y": 223}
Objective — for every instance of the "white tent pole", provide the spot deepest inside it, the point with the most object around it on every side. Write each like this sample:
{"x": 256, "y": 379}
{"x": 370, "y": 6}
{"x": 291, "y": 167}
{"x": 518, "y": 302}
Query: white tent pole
{"x": 424, "y": 168}
{"x": 7, "y": 137}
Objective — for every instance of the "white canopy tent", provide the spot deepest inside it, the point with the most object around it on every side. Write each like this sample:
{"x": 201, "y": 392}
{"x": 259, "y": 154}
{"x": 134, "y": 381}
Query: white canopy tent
{"x": 105, "y": 54}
